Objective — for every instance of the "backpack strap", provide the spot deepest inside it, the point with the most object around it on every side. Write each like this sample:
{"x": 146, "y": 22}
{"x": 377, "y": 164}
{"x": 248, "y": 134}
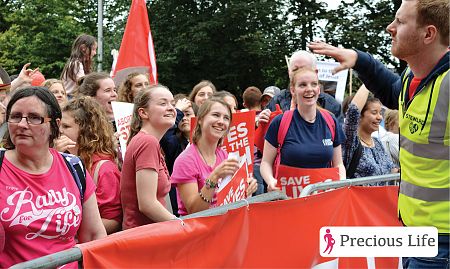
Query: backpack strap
{"x": 76, "y": 168}
{"x": 282, "y": 131}
{"x": 351, "y": 169}
{"x": 2, "y": 155}
{"x": 97, "y": 169}
{"x": 330, "y": 122}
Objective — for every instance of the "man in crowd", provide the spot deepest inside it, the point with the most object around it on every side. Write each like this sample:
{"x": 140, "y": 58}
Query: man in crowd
{"x": 420, "y": 36}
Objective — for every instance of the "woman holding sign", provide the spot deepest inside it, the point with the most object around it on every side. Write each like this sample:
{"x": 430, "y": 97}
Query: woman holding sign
{"x": 199, "y": 168}
{"x": 312, "y": 136}
{"x": 145, "y": 178}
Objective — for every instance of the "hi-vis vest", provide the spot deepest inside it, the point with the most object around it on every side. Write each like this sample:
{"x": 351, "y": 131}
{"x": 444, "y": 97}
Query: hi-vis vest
{"x": 425, "y": 151}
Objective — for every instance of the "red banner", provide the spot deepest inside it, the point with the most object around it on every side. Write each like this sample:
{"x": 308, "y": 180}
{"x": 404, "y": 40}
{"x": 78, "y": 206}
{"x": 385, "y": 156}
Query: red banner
{"x": 136, "y": 53}
{"x": 234, "y": 190}
{"x": 264, "y": 235}
{"x": 292, "y": 180}
{"x": 261, "y": 131}
{"x": 241, "y": 136}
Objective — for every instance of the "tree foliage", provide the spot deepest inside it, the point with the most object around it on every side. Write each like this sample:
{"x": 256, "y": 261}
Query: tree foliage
{"x": 234, "y": 43}
{"x": 362, "y": 25}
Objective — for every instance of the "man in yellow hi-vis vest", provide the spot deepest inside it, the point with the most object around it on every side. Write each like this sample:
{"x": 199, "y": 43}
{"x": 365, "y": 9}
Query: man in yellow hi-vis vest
{"x": 420, "y": 36}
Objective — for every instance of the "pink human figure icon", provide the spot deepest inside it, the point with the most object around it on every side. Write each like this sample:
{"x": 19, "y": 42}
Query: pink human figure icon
{"x": 328, "y": 237}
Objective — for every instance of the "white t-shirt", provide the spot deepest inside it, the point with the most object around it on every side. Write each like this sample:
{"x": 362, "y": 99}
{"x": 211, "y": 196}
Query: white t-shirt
{"x": 69, "y": 84}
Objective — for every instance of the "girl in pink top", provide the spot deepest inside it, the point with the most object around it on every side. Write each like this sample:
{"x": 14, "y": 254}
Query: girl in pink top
{"x": 41, "y": 209}
{"x": 199, "y": 168}
{"x": 86, "y": 132}
{"x": 145, "y": 178}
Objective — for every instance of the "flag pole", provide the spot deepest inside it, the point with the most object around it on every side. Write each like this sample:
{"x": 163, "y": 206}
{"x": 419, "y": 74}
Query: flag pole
{"x": 100, "y": 36}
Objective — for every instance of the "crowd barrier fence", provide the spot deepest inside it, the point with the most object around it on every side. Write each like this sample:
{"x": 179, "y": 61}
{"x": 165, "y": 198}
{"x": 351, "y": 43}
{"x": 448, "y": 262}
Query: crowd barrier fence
{"x": 348, "y": 182}
{"x": 75, "y": 254}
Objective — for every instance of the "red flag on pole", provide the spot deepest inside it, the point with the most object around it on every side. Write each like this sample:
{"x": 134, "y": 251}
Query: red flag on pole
{"x": 136, "y": 52}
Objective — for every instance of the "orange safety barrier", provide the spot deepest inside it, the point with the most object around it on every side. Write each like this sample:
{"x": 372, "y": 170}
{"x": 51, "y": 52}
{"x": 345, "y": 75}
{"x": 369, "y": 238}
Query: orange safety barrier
{"x": 272, "y": 234}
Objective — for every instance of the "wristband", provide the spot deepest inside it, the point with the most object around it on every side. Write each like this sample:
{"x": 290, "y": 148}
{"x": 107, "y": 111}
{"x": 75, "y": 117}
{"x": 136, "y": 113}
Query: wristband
{"x": 204, "y": 198}
{"x": 211, "y": 185}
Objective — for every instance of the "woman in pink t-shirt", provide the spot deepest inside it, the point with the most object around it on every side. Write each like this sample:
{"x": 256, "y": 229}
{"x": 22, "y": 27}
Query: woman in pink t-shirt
{"x": 198, "y": 169}
{"x": 42, "y": 208}
{"x": 145, "y": 178}
{"x": 86, "y": 132}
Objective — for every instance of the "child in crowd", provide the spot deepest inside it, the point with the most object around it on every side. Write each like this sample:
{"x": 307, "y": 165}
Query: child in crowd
{"x": 176, "y": 139}
{"x": 79, "y": 64}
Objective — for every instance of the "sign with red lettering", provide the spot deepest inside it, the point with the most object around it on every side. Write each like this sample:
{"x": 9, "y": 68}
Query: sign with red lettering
{"x": 292, "y": 180}
{"x": 235, "y": 189}
{"x": 123, "y": 113}
{"x": 241, "y": 136}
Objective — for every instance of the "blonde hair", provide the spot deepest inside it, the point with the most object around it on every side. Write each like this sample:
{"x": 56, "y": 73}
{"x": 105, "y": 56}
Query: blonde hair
{"x": 302, "y": 70}
{"x": 390, "y": 118}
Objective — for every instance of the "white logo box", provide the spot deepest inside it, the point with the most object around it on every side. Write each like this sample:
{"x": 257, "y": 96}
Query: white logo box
{"x": 375, "y": 241}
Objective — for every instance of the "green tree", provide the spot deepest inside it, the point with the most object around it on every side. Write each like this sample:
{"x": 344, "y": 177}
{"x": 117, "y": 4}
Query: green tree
{"x": 41, "y": 32}
{"x": 305, "y": 22}
{"x": 362, "y": 25}
{"x": 234, "y": 43}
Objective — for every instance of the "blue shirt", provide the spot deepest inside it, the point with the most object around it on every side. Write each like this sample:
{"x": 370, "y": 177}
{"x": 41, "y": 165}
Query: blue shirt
{"x": 306, "y": 145}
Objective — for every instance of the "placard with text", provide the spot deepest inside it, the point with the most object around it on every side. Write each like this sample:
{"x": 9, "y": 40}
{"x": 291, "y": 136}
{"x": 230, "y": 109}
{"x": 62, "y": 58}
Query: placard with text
{"x": 292, "y": 180}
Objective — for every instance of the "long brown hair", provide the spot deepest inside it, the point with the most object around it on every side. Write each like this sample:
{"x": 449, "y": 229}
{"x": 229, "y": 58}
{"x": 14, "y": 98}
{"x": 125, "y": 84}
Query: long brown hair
{"x": 124, "y": 93}
{"x": 198, "y": 87}
{"x": 96, "y": 132}
{"x": 81, "y": 51}
{"x": 204, "y": 109}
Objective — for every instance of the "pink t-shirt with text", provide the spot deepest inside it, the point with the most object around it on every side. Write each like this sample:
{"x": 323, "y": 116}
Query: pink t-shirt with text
{"x": 40, "y": 214}
{"x": 143, "y": 152}
{"x": 189, "y": 167}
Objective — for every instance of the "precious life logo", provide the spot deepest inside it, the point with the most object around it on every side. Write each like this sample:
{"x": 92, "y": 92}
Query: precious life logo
{"x": 376, "y": 241}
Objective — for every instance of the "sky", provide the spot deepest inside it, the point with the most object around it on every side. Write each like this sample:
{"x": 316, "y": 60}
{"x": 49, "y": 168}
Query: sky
{"x": 332, "y": 4}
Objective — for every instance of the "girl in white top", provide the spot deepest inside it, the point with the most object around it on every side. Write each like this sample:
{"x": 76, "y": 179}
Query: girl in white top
{"x": 84, "y": 49}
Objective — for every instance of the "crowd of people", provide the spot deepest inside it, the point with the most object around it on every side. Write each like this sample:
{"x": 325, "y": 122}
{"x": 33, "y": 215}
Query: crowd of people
{"x": 64, "y": 180}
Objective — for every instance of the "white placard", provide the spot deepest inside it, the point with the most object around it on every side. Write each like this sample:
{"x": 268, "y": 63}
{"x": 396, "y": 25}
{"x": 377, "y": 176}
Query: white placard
{"x": 123, "y": 113}
{"x": 325, "y": 74}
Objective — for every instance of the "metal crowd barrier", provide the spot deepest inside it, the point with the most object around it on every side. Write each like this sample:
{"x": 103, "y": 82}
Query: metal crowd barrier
{"x": 348, "y": 182}
{"x": 74, "y": 254}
